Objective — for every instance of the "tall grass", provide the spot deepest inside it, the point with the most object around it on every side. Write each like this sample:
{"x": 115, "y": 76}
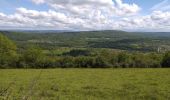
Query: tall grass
{"x": 85, "y": 84}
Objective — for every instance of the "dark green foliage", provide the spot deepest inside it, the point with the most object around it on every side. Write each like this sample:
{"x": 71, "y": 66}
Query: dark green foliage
{"x": 35, "y": 58}
{"x": 100, "y": 62}
{"x": 123, "y": 59}
{"x": 66, "y": 62}
{"x": 166, "y": 60}
{"x": 84, "y": 62}
{"x": 77, "y": 52}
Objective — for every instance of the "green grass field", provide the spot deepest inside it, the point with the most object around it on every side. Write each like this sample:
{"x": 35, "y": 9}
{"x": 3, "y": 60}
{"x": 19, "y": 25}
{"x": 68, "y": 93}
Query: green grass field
{"x": 85, "y": 84}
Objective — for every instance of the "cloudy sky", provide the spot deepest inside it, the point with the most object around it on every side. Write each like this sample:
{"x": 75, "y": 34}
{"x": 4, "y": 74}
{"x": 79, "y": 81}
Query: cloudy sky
{"x": 130, "y": 15}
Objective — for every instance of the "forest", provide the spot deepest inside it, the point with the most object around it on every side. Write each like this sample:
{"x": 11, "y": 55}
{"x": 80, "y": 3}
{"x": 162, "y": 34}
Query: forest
{"x": 16, "y": 52}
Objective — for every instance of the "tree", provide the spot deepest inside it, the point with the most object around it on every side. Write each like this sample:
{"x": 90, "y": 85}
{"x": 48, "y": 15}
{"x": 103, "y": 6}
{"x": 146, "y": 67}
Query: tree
{"x": 155, "y": 60}
{"x": 66, "y": 62}
{"x": 34, "y": 57}
{"x": 140, "y": 60}
{"x": 84, "y": 62}
{"x": 166, "y": 60}
{"x": 123, "y": 59}
{"x": 101, "y": 62}
{"x": 8, "y": 55}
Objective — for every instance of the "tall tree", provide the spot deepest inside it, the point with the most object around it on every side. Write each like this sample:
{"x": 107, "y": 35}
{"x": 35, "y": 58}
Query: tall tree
{"x": 8, "y": 53}
{"x": 34, "y": 57}
{"x": 166, "y": 60}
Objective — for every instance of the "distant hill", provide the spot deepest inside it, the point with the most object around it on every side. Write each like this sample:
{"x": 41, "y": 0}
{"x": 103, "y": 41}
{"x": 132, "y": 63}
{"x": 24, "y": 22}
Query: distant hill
{"x": 156, "y": 34}
{"x": 132, "y": 41}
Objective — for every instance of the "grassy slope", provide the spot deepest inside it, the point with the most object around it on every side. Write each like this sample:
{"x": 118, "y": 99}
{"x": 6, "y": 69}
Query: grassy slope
{"x": 86, "y": 84}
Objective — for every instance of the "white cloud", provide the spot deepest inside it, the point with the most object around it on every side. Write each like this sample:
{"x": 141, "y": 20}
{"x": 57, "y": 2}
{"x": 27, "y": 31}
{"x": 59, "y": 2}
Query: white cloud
{"x": 51, "y": 19}
{"x": 126, "y": 8}
{"x": 38, "y": 1}
{"x": 84, "y": 7}
{"x": 70, "y": 14}
{"x": 86, "y": 15}
{"x": 91, "y": 14}
{"x": 156, "y": 21}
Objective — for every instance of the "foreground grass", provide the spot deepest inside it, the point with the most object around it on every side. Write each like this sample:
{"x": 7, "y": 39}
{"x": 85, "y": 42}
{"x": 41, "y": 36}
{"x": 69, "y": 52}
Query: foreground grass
{"x": 85, "y": 84}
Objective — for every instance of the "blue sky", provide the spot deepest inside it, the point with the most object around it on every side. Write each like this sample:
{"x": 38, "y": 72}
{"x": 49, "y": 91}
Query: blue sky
{"x": 134, "y": 15}
{"x": 146, "y": 5}
{"x": 9, "y": 6}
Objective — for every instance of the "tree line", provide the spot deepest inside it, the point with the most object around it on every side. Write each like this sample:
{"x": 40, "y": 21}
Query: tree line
{"x": 34, "y": 57}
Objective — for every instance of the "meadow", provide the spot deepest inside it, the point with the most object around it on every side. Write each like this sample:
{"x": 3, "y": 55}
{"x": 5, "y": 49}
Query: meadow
{"x": 85, "y": 84}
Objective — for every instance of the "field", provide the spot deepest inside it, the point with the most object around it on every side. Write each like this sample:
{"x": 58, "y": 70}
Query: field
{"x": 85, "y": 84}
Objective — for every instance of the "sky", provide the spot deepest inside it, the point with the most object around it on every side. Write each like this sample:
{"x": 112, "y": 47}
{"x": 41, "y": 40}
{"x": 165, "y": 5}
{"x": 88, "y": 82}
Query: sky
{"x": 129, "y": 15}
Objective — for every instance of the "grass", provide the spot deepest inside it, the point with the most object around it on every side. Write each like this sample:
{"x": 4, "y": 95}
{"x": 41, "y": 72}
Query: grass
{"x": 85, "y": 84}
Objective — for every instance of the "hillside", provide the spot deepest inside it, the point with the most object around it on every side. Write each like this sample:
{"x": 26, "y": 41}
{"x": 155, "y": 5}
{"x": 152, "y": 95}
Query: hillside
{"x": 92, "y": 39}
